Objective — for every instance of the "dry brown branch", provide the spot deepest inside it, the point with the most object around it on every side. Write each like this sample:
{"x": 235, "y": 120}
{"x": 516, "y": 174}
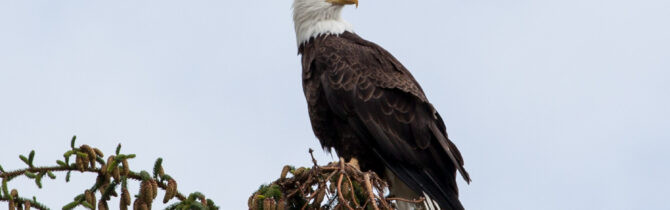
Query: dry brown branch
{"x": 371, "y": 194}
{"x": 321, "y": 187}
{"x": 339, "y": 192}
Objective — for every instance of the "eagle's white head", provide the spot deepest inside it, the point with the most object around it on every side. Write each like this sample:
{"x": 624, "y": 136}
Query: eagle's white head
{"x": 316, "y": 17}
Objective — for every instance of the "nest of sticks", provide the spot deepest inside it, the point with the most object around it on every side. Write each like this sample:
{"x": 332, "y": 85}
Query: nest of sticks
{"x": 336, "y": 185}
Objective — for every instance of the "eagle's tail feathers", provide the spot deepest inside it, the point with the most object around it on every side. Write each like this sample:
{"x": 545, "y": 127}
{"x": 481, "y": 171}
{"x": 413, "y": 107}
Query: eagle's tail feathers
{"x": 446, "y": 145}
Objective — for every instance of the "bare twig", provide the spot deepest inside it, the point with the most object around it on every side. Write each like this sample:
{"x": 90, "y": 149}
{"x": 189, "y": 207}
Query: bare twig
{"x": 339, "y": 192}
{"x": 318, "y": 188}
{"x": 368, "y": 186}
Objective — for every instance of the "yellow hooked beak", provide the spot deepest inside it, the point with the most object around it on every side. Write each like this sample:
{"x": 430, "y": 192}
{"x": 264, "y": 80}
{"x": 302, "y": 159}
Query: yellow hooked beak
{"x": 343, "y": 2}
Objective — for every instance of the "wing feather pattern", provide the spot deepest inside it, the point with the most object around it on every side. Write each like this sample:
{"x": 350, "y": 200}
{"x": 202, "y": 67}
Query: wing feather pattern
{"x": 366, "y": 87}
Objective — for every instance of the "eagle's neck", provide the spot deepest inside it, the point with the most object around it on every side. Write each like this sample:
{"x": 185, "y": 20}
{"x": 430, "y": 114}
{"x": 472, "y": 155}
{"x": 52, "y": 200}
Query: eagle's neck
{"x": 311, "y": 22}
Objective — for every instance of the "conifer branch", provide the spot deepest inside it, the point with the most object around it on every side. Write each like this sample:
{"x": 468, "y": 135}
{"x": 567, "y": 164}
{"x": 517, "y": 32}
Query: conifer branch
{"x": 110, "y": 174}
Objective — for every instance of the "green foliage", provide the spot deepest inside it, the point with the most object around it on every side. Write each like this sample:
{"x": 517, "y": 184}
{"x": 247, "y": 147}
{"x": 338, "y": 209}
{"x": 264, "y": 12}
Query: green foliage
{"x": 51, "y": 175}
{"x": 109, "y": 190}
{"x": 70, "y": 205}
{"x": 82, "y": 155}
{"x": 31, "y": 157}
{"x": 74, "y": 138}
{"x": 270, "y": 191}
{"x": 118, "y": 150}
{"x": 67, "y": 155}
{"x": 87, "y": 205}
{"x": 110, "y": 175}
{"x": 25, "y": 160}
{"x": 166, "y": 177}
{"x": 112, "y": 165}
{"x": 4, "y": 187}
{"x": 195, "y": 200}
{"x": 38, "y": 179}
{"x": 30, "y": 175}
{"x": 158, "y": 168}
{"x": 145, "y": 175}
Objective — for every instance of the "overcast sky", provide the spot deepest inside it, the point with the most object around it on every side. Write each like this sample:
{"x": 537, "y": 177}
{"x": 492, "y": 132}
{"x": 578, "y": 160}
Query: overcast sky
{"x": 555, "y": 104}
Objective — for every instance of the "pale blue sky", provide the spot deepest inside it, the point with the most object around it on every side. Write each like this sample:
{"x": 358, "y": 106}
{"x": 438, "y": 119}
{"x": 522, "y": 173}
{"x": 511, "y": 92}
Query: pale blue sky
{"x": 558, "y": 104}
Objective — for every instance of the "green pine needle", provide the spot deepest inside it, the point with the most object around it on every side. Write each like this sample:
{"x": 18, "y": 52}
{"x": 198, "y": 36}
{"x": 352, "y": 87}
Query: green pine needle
{"x": 51, "y": 175}
{"x": 64, "y": 165}
{"x": 31, "y": 157}
{"x": 166, "y": 177}
{"x": 38, "y": 181}
{"x": 4, "y": 187}
{"x": 82, "y": 155}
{"x": 71, "y": 205}
{"x": 157, "y": 167}
{"x": 68, "y": 153}
{"x": 24, "y": 159}
{"x": 118, "y": 149}
{"x": 145, "y": 175}
{"x": 124, "y": 182}
{"x": 112, "y": 165}
{"x": 79, "y": 197}
{"x": 109, "y": 190}
{"x": 100, "y": 160}
{"x": 74, "y": 138}
{"x": 30, "y": 174}
{"x": 67, "y": 156}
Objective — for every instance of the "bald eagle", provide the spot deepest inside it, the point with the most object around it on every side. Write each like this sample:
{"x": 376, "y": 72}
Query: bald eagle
{"x": 367, "y": 106}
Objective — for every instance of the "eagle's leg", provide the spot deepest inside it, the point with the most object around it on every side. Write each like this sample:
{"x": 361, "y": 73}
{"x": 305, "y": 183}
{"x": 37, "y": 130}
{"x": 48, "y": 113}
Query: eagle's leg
{"x": 399, "y": 189}
{"x": 353, "y": 162}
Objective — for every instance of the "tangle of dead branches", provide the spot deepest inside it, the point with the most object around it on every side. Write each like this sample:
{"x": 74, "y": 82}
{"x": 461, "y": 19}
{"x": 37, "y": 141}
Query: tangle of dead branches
{"x": 334, "y": 186}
